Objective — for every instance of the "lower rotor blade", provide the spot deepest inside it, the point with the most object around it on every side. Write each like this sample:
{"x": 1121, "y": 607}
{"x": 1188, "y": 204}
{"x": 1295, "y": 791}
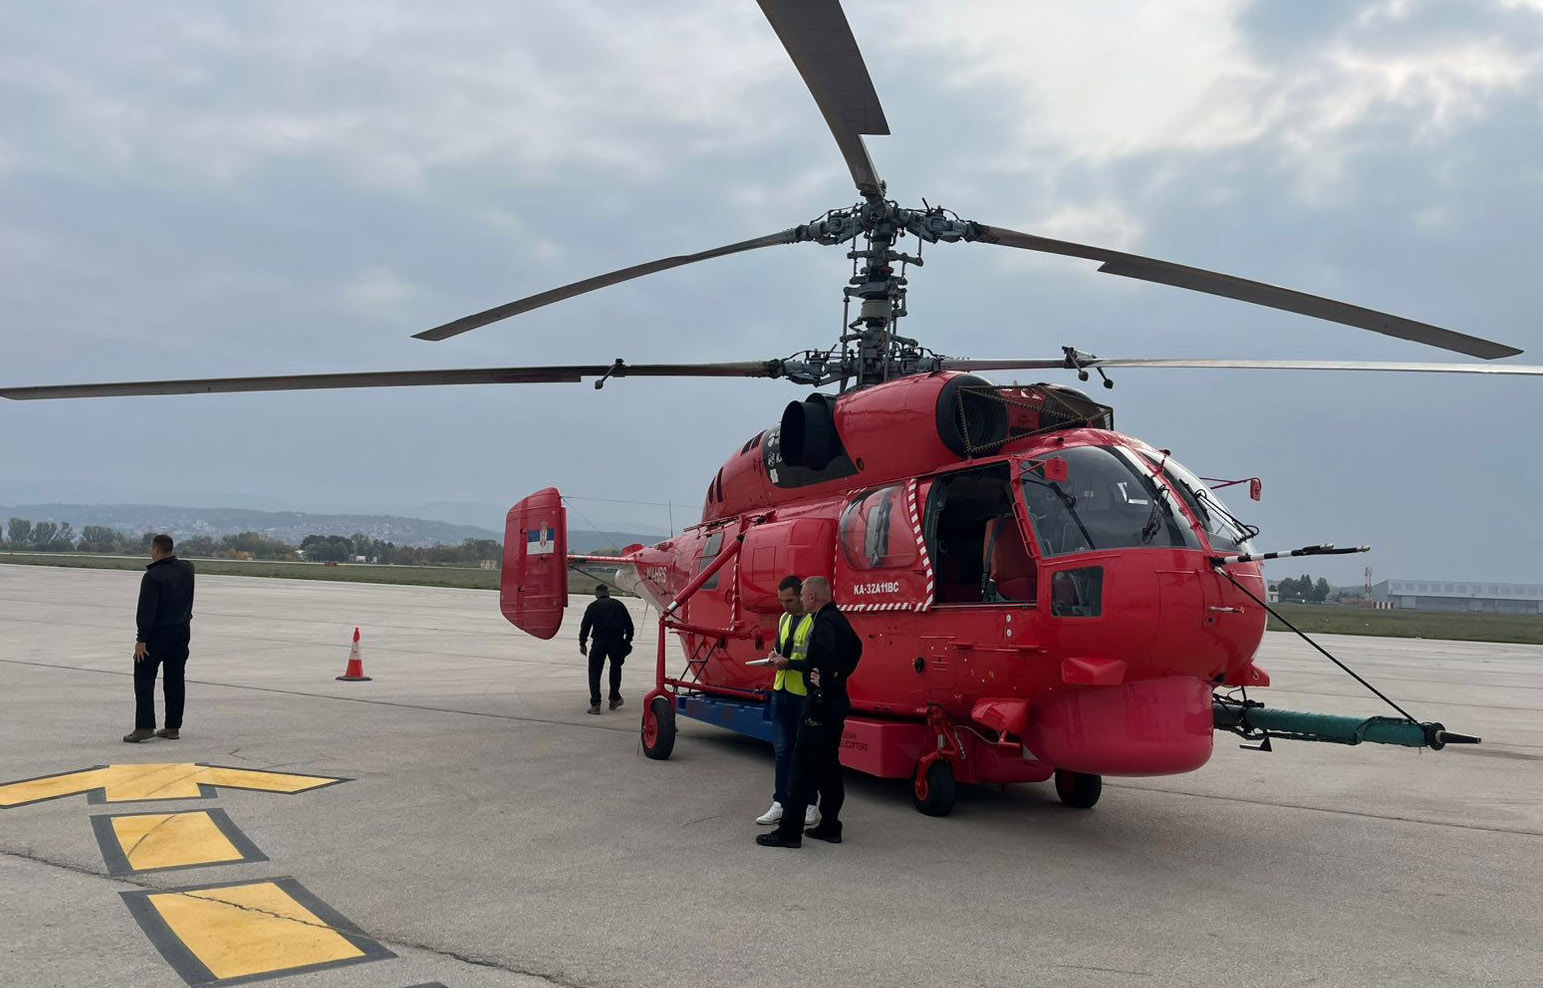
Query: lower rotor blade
{"x": 1519, "y": 370}
{"x": 1244, "y": 290}
{"x": 468, "y": 323}
{"x": 397, "y": 379}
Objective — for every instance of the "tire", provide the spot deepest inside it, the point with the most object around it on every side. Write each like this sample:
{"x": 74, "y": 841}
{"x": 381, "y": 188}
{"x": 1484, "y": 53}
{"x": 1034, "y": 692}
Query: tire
{"x": 1078, "y": 789}
{"x": 659, "y": 728}
{"x": 939, "y": 786}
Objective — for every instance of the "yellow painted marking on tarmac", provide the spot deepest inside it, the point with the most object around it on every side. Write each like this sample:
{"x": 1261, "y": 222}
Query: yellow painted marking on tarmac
{"x": 125, "y": 783}
{"x": 245, "y": 930}
{"x": 240, "y": 778}
{"x": 33, "y": 790}
{"x": 173, "y": 840}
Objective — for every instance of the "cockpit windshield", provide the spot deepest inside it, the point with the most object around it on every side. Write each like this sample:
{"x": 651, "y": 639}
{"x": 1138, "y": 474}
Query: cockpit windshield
{"x": 1225, "y": 533}
{"x": 1108, "y": 500}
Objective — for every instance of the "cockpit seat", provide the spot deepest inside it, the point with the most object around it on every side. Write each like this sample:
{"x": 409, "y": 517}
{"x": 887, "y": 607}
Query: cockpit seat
{"x": 1007, "y": 561}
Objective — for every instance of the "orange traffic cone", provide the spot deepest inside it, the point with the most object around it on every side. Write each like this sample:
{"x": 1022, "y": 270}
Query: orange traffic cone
{"x": 355, "y": 671}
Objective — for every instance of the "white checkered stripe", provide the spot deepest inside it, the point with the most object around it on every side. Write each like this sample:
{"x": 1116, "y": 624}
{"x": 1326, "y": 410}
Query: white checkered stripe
{"x": 921, "y": 543}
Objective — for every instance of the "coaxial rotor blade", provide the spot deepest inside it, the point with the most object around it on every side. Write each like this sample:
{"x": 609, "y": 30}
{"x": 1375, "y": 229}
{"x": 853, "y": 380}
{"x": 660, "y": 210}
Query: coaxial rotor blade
{"x": 1521, "y": 370}
{"x": 398, "y": 379}
{"x": 820, "y": 42}
{"x": 1244, "y": 290}
{"x": 468, "y": 323}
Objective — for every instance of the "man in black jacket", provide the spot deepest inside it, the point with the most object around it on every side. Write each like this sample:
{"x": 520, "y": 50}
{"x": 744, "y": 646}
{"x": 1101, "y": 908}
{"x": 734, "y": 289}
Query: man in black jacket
{"x": 834, "y": 651}
{"x": 611, "y": 623}
{"x": 164, "y": 616}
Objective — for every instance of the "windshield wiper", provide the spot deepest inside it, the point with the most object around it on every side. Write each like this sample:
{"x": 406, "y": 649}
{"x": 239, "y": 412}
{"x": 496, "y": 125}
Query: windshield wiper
{"x": 1160, "y": 507}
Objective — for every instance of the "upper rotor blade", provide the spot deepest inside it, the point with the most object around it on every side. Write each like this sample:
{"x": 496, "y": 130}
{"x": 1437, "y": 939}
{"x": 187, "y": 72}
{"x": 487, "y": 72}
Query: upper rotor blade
{"x": 820, "y": 42}
{"x": 1244, "y": 290}
{"x": 398, "y": 379}
{"x": 467, "y": 323}
{"x": 1522, "y": 370}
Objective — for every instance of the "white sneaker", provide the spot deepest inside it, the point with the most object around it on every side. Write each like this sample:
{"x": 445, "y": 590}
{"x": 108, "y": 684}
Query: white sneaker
{"x": 811, "y": 817}
{"x": 771, "y": 816}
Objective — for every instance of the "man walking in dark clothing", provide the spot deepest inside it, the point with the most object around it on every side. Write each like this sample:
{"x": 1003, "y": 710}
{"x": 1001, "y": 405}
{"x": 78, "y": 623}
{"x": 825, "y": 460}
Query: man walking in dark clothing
{"x": 164, "y": 617}
{"x": 834, "y": 651}
{"x": 611, "y": 624}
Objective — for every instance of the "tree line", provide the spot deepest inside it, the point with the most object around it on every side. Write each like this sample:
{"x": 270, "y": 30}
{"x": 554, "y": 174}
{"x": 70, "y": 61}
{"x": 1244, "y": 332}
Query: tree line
{"x": 1304, "y": 589}
{"x": 22, "y": 535}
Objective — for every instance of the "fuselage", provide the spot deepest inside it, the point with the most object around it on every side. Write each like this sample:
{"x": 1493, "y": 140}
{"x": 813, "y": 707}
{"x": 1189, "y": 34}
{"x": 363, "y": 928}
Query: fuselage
{"x": 1054, "y": 565}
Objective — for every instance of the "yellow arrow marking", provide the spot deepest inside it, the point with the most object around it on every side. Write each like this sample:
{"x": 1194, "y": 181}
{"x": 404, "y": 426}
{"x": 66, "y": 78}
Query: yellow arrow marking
{"x": 127, "y": 783}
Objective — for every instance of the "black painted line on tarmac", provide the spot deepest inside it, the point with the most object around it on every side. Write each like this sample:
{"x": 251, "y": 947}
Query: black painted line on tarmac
{"x": 117, "y": 859}
{"x": 346, "y": 699}
{"x": 193, "y": 971}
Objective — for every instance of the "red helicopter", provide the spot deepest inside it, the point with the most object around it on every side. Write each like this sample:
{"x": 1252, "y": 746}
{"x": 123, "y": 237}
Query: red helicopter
{"x": 1040, "y": 595}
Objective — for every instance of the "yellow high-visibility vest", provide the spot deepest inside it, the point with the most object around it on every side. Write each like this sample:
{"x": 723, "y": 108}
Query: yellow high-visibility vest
{"x": 791, "y": 679}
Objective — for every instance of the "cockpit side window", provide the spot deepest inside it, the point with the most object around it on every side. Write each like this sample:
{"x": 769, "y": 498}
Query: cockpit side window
{"x": 875, "y": 531}
{"x": 1108, "y": 501}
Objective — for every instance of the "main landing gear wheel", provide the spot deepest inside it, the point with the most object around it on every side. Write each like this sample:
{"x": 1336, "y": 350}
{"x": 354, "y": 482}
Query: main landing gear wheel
{"x": 659, "y": 728}
{"x": 934, "y": 793}
{"x": 1078, "y": 789}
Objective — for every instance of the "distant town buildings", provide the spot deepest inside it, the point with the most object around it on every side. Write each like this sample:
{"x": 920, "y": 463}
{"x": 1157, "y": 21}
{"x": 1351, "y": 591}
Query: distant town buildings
{"x": 1454, "y": 595}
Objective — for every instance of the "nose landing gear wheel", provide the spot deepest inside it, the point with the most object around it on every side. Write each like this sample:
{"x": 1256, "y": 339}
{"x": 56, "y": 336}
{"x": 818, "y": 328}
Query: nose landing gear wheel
{"x": 933, "y": 793}
{"x": 659, "y": 728}
{"x": 1078, "y": 789}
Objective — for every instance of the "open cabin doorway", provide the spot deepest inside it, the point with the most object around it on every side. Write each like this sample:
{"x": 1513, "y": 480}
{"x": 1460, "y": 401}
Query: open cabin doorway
{"x": 978, "y": 549}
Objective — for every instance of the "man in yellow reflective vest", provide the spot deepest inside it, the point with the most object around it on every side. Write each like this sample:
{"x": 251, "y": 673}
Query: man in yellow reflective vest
{"x": 788, "y": 695}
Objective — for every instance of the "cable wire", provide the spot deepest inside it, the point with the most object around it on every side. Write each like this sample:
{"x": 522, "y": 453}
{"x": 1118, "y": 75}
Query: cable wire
{"x": 1314, "y": 644}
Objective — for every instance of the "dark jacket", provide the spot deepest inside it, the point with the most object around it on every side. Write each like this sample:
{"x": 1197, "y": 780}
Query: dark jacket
{"x": 834, "y": 651}
{"x": 608, "y": 619}
{"x": 165, "y": 597}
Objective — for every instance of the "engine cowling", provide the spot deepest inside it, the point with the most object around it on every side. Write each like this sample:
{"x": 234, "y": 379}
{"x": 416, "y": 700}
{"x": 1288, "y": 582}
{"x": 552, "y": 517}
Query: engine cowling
{"x": 903, "y": 428}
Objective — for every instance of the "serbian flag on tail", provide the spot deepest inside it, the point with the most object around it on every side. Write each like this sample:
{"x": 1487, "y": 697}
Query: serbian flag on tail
{"x": 540, "y": 541}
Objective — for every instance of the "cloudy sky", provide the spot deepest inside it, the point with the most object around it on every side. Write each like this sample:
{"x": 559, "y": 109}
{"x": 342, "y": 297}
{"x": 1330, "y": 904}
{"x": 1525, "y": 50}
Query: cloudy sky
{"x": 194, "y": 189}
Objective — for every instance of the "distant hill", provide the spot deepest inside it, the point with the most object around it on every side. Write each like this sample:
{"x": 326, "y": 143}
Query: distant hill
{"x": 287, "y": 526}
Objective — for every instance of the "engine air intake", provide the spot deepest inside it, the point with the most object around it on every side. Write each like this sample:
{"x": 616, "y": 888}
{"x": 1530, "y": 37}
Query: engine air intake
{"x": 977, "y": 419}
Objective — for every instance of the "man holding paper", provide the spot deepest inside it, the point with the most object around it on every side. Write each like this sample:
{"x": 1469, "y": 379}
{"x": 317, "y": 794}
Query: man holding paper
{"x": 787, "y": 699}
{"x": 832, "y": 655}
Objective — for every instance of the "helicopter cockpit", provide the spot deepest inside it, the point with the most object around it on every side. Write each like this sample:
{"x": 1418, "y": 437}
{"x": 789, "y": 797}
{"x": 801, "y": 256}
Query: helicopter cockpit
{"x": 1083, "y": 499}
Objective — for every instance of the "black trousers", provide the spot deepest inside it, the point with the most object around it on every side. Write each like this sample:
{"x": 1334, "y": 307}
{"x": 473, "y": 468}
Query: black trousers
{"x": 816, "y": 770}
{"x": 599, "y": 651}
{"x": 168, "y": 651}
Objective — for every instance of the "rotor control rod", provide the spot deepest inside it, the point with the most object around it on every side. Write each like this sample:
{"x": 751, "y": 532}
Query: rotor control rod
{"x": 1255, "y": 722}
{"x": 1327, "y": 549}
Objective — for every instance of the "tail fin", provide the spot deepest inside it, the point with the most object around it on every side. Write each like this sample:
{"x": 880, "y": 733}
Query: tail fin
{"x": 533, "y": 589}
